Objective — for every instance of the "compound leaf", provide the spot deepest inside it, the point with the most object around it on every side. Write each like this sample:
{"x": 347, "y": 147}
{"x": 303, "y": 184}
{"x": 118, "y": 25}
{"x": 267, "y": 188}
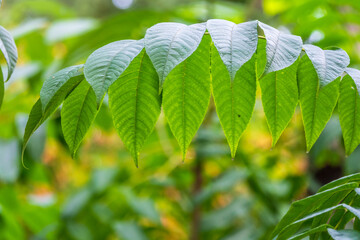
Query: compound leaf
{"x": 186, "y": 95}
{"x": 168, "y": 44}
{"x": 135, "y": 103}
{"x": 282, "y": 49}
{"x": 77, "y": 114}
{"x": 236, "y": 43}
{"x": 106, "y": 64}
{"x": 349, "y": 109}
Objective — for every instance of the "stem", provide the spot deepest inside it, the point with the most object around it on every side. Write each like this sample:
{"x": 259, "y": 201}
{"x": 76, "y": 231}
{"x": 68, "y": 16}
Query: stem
{"x": 196, "y": 189}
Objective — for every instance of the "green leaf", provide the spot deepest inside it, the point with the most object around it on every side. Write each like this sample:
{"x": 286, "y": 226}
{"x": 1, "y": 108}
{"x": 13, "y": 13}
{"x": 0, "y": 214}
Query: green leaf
{"x": 57, "y": 82}
{"x": 38, "y": 116}
{"x": 282, "y": 49}
{"x": 77, "y": 114}
{"x": 350, "y": 178}
{"x": 8, "y": 49}
{"x": 135, "y": 103}
{"x": 290, "y": 229}
{"x": 186, "y": 95}
{"x": 2, "y": 88}
{"x": 311, "y": 231}
{"x": 319, "y": 78}
{"x": 105, "y": 65}
{"x": 234, "y": 100}
{"x": 168, "y": 44}
{"x": 236, "y": 43}
{"x": 301, "y": 208}
{"x": 279, "y": 94}
{"x": 344, "y": 234}
{"x": 129, "y": 231}
{"x": 349, "y": 109}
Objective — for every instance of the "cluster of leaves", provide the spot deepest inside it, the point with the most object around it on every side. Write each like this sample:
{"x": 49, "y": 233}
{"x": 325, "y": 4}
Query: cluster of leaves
{"x": 334, "y": 207}
{"x": 9, "y": 51}
{"x": 179, "y": 66}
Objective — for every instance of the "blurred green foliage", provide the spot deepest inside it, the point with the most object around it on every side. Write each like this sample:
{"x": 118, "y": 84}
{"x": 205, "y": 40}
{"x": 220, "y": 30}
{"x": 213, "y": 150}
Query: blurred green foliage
{"x": 100, "y": 194}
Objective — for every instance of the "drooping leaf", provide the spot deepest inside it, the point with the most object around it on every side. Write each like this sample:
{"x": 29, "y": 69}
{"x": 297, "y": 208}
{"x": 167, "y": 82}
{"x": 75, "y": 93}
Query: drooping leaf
{"x": 282, "y": 49}
{"x": 349, "y": 109}
{"x": 135, "y": 103}
{"x": 77, "y": 114}
{"x": 301, "y": 208}
{"x": 186, "y": 95}
{"x": 234, "y": 100}
{"x": 168, "y": 44}
{"x": 58, "y": 82}
{"x": 38, "y": 116}
{"x": 236, "y": 43}
{"x": 290, "y": 229}
{"x": 279, "y": 94}
{"x": 8, "y": 49}
{"x": 106, "y": 64}
{"x": 346, "y": 234}
{"x": 319, "y": 78}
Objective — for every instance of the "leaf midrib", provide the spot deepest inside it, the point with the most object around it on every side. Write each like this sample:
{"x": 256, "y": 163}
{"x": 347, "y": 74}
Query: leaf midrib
{"x": 78, "y": 119}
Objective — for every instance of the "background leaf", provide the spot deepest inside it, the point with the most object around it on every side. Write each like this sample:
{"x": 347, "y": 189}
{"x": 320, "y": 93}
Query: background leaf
{"x": 168, "y": 44}
{"x": 77, "y": 114}
{"x": 135, "y": 103}
{"x": 106, "y": 64}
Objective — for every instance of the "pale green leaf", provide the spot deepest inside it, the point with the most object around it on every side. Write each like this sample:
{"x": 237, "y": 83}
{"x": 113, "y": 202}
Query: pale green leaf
{"x": 317, "y": 104}
{"x": 350, "y": 178}
{"x": 168, "y": 44}
{"x": 282, "y": 49}
{"x": 8, "y": 49}
{"x": 236, "y": 43}
{"x": 279, "y": 94}
{"x": 135, "y": 103}
{"x": 234, "y": 100}
{"x": 349, "y": 109}
{"x": 57, "y": 81}
{"x": 301, "y": 208}
{"x": 329, "y": 64}
{"x": 346, "y": 234}
{"x": 77, "y": 114}
{"x": 186, "y": 95}
{"x": 105, "y": 65}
